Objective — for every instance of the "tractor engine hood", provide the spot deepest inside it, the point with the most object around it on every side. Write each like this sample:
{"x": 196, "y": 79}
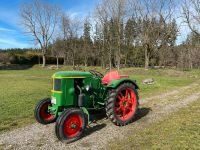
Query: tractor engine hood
{"x": 71, "y": 74}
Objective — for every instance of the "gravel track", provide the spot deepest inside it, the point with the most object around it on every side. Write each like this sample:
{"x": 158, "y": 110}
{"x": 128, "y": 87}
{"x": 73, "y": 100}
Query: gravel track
{"x": 99, "y": 134}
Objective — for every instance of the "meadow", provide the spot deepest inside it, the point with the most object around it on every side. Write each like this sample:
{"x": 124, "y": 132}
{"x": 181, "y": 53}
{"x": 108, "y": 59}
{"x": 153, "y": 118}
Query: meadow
{"x": 20, "y": 90}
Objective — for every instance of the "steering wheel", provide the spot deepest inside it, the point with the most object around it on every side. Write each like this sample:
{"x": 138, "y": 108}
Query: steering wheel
{"x": 96, "y": 73}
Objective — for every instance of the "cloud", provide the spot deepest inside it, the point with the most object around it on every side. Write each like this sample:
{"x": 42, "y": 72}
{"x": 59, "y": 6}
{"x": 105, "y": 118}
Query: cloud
{"x": 6, "y": 30}
{"x": 12, "y": 43}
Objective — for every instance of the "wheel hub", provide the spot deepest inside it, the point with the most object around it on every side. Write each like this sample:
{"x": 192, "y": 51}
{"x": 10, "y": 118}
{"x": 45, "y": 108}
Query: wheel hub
{"x": 73, "y": 126}
{"x": 125, "y": 104}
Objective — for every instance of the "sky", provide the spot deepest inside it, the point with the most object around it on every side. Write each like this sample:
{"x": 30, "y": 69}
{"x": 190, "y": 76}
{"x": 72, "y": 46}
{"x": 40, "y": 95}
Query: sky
{"x": 12, "y": 34}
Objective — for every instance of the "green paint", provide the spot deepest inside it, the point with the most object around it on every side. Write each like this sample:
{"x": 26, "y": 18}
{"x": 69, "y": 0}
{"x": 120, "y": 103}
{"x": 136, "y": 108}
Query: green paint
{"x": 94, "y": 93}
{"x": 71, "y": 74}
{"x": 73, "y": 126}
{"x": 115, "y": 83}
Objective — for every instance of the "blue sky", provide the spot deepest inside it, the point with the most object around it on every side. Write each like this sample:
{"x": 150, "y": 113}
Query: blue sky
{"x": 12, "y": 34}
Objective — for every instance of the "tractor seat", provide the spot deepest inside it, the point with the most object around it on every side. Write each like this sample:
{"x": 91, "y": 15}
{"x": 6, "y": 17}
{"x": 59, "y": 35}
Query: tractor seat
{"x": 113, "y": 75}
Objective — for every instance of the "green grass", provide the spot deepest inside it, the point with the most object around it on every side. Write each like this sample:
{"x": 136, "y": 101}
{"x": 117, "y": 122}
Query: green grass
{"x": 20, "y": 90}
{"x": 181, "y": 130}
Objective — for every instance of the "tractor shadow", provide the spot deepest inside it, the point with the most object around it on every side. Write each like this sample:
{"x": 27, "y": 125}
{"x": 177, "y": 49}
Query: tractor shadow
{"x": 96, "y": 117}
{"x": 93, "y": 129}
{"x": 142, "y": 112}
{"x": 15, "y": 67}
{"x": 96, "y": 124}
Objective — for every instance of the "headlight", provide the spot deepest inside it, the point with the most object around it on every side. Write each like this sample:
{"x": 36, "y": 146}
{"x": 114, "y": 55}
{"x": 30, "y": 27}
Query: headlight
{"x": 53, "y": 100}
{"x": 87, "y": 88}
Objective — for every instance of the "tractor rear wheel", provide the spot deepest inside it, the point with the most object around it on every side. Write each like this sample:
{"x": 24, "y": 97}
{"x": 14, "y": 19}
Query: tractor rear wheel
{"x": 122, "y": 104}
{"x": 41, "y": 112}
{"x": 70, "y": 125}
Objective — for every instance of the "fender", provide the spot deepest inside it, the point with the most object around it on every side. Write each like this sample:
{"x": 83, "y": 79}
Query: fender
{"x": 115, "y": 83}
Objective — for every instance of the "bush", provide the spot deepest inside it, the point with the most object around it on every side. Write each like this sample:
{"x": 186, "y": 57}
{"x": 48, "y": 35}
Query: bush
{"x": 4, "y": 58}
{"x": 32, "y": 59}
{"x": 14, "y": 59}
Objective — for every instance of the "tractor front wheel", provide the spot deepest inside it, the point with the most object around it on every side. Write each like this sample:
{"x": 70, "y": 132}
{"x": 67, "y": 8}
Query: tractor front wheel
{"x": 70, "y": 125}
{"x": 122, "y": 104}
{"x": 41, "y": 112}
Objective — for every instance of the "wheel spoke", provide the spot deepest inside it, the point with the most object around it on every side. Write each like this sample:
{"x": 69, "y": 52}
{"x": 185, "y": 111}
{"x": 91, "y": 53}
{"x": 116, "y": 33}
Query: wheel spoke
{"x": 120, "y": 98}
{"x": 127, "y": 93}
{"x": 118, "y": 108}
{"x": 130, "y": 100}
{"x": 124, "y": 113}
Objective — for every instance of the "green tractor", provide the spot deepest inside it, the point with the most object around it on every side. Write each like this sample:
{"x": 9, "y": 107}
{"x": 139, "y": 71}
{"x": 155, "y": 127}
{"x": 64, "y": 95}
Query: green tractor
{"x": 75, "y": 95}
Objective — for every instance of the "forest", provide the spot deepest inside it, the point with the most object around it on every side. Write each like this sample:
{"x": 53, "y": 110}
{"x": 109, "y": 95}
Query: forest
{"x": 119, "y": 33}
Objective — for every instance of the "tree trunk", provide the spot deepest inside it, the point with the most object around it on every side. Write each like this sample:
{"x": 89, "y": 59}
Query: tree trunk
{"x": 39, "y": 60}
{"x": 110, "y": 61}
{"x": 85, "y": 61}
{"x": 65, "y": 60}
{"x": 125, "y": 61}
{"x": 118, "y": 62}
{"x": 57, "y": 62}
{"x": 146, "y": 58}
{"x": 73, "y": 61}
{"x": 43, "y": 60}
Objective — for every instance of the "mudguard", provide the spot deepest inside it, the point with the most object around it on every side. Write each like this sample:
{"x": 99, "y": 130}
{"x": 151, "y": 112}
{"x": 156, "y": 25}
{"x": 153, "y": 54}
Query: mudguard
{"x": 116, "y": 83}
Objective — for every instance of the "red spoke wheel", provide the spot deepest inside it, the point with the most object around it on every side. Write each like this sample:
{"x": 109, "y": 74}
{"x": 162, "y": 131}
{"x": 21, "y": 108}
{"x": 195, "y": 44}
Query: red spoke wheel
{"x": 70, "y": 125}
{"x": 122, "y": 104}
{"x": 41, "y": 112}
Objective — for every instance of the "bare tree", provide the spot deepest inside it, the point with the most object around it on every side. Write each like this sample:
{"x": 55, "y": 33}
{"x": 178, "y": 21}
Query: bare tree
{"x": 65, "y": 25}
{"x": 71, "y": 31}
{"x": 155, "y": 14}
{"x": 57, "y": 49}
{"x": 114, "y": 10}
{"x": 191, "y": 13}
{"x": 40, "y": 20}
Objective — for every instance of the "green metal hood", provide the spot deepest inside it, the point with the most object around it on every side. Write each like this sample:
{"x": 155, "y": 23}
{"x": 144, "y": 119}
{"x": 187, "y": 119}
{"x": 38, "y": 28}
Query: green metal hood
{"x": 71, "y": 74}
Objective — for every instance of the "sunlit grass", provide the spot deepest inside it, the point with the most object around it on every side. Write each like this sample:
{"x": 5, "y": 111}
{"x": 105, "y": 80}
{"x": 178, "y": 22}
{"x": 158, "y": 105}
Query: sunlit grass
{"x": 20, "y": 90}
{"x": 178, "y": 131}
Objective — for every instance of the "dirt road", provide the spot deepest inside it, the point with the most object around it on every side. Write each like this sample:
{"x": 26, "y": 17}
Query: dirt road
{"x": 101, "y": 133}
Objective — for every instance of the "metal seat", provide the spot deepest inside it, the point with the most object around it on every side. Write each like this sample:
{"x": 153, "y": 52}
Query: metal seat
{"x": 113, "y": 75}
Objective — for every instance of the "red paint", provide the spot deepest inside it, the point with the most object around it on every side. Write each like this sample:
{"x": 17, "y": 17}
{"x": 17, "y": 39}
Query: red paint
{"x": 125, "y": 104}
{"x": 113, "y": 75}
{"x": 44, "y": 112}
{"x": 73, "y": 120}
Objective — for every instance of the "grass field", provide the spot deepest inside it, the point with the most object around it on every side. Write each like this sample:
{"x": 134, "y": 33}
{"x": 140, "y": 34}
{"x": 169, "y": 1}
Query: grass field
{"x": 20, "y": 90}
{"x": 181, "y": 130}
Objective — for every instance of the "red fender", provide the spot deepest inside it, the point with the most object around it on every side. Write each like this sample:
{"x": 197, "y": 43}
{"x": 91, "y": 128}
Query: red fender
{"x": 113, "y": 75}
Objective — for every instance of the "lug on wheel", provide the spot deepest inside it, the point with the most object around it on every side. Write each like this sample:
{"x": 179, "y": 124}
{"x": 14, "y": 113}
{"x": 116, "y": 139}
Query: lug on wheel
{"x": 122, "y": 104}
{"x": 41, "y": 112}
{"x": 70, "y": 125}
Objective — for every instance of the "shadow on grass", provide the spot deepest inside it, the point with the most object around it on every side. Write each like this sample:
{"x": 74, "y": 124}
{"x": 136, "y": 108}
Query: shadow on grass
{"x": 15, "y": 67}
{"x": 93, "y": 129}
{"x": 142, "y": 112}
{"x": 95, "y": 116}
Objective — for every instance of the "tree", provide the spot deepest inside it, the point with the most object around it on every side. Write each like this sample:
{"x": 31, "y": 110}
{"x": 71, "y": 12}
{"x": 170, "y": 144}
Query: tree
{"x": 65, "y": 27}
{"x": 40, "y": 20}
{"x": 111, "y": 14}
{"x": 87, "y": 40}
{"x": 191, "y": 13}
{"x": 57, "y": 49}
{"x": 155, "y": 15}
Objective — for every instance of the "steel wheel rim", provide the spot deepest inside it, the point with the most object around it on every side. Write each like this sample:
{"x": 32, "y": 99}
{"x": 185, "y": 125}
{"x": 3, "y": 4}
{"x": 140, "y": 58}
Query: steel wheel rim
{"x": 73, "y": 125}
{"x": 125, "y": 104}
{"x": 44, "y": 112}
